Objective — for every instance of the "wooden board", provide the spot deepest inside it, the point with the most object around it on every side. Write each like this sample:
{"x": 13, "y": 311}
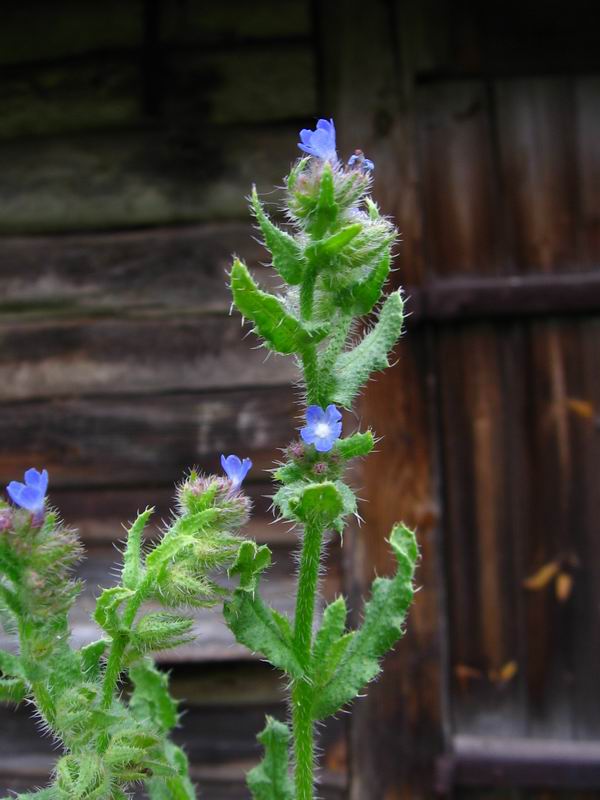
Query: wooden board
{"x": 143, "y": 440}
{"x": 138, "y": 178}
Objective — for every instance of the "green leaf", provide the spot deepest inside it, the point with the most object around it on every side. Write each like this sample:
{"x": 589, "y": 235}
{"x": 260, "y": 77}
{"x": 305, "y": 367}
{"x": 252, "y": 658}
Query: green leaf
{"x": 253, "y": 623}
{"x": 107, "y": 605}
{"x": 354, "y": 367}
{"x": 334, "y": 244}
{"x": 177, "y": 787}
{"x": 132, "y": 559}
{"x": 318, "y": 503}
{"x": 13, "y": 690}
{"x": 332, "y": 628}
{"x": 359, "y": 444}
{"x": 359, "y": 298}
{"x": 150, "y": 699}
{"x": 326, "y": 209}
{"x": 9, "y": 563}
{"x": 10, "y": 665}
{"x": 251, "y": 560}
{"x": 382, "y": 627}
{"x": 161, "y": 631}
{"x": 281, "y": 331}
{"x": 90, "y": 656}
{"x": 270, "y": 780}
{"x": 288, "y": 258}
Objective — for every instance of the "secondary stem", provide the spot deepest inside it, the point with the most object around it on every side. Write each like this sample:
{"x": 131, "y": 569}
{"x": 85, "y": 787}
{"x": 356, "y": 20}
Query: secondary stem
{"x": 302, "y": 690}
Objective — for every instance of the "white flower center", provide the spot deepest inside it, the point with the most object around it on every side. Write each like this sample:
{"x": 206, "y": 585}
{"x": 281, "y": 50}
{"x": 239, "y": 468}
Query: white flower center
{"x": 322, "y": 430}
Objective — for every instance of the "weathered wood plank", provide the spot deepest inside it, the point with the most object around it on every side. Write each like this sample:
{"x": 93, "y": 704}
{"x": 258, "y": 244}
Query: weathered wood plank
{"x": 456, "y": 299}
{"x": 484, "y": 486}
{"x": 463, "y": 227}
{"x": 137, "y": 178}
{"x": 522, "y": 500}
{"x": 36, "y": 30}
{"x": 265, "y": 84}
{"x": 538, "y": 169}
{"x": 141, "y": 440}
{"x": 587, "y": 122}
{"x": 193, "y": 22}
{"x": 182, "y": 269}
{"x": 118, "y": 356}
{"x": 533, "y": 763}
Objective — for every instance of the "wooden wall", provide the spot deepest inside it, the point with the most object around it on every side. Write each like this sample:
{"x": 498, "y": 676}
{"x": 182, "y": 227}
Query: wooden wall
{"x": 130, "y": 134}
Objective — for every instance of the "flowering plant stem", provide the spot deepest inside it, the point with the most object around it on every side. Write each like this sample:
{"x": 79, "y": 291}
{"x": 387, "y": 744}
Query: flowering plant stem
{"x": 334, "y": 259}
{"x": 303, "y": 723}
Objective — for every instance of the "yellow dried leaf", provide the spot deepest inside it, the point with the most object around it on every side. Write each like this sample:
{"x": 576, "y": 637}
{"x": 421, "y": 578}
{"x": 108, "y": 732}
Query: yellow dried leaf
{"x": 463, "y": 672}
{"x": 563, "y": 586}
{"x": 542, "y": 577}
{"x": 508, "y": 671}
{"x": 583, "y": 408}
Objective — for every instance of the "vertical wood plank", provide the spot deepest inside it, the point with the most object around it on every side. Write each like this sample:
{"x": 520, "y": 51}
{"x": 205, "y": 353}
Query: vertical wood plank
{"x": 396, "y": 730}
{"x": 536, "y": 142}
{"x": 587, "y": 98}
{"x": 463, "y": 229}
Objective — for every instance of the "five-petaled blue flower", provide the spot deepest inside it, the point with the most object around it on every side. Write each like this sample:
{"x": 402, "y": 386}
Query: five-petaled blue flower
{"x": 323, "y": 427}
{"x": 31, "y": 494}
{"x": 235, "y": 469}
{"x": 320, "y": 142}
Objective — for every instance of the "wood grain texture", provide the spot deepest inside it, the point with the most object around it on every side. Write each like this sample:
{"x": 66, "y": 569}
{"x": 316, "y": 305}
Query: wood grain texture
{"x": 105, "y": 91}
{"x": 520, "y": 448}
{"x": 140, "y": 440}
{"x": 179, "y": 269}
{"x": 137, "y": 177}
{"x": 463, "y": 227}
{"x": 119, "y": 356}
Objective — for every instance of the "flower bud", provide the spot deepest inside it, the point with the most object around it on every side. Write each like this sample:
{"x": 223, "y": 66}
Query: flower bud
{"x": 201, "y": 492}
{"x": 6, "y": 519}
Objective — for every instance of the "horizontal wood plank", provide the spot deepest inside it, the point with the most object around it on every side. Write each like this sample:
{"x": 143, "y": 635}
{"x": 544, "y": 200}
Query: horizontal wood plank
{"x": 141, "y": 440}
{"x": 259, "y": 85}
{"x": 138, "y": 178}
{"x": 33, "y": 30}
{"x": 120, "y": 356}
{"x": 182, "y": 269}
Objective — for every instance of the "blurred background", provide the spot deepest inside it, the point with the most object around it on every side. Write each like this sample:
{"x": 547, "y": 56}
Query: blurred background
{"x": 130, "y": 133}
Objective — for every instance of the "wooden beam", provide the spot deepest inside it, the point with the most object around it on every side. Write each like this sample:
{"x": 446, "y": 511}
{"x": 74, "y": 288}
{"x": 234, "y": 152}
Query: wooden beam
{"x": 520, "y": 763}
{"x": 506, "y": 296}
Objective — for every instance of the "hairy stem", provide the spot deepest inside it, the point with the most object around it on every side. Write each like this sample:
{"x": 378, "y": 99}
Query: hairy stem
{"x": 310, "y": 364}
{"x": 302, "y": 690}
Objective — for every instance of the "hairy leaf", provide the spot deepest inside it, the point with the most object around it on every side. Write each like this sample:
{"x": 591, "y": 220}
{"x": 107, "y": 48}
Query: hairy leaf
{"x": 253, "y": 623}
{"x": 288, "y": 258}
{"x": 354, "y": 367}
{"x": 150, "y": 700}
{"x": 382, "y": 627}
{"x": 132, "y": 558}
{"x": 270, "y": 780}
{"x": 281, "y": 331}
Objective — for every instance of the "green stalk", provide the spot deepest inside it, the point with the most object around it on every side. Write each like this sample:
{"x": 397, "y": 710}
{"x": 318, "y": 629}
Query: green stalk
{"x": 302, "y": 690}
{"x": 310, "y": 364}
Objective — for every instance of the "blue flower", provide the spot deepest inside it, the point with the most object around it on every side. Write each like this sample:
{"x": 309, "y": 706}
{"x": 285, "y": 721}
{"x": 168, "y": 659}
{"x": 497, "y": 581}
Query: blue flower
{"x": 358, "y": 159}
{"x": 323, "y": 427}
{"x": 31, "y": 494}
{"x": 235, "y": 469}
{"x": 320, "y": 142}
